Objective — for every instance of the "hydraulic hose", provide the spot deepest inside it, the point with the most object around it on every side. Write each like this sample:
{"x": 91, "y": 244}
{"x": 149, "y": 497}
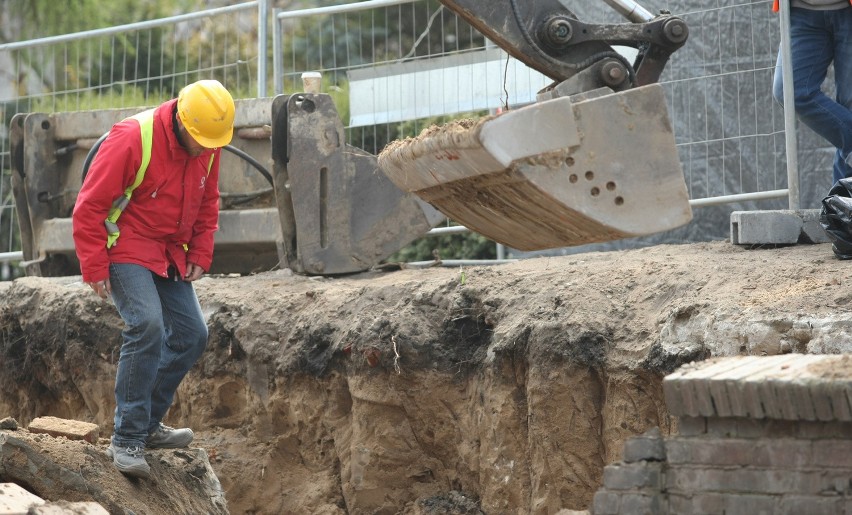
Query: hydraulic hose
{"x": 234, "y": 150}
{"x": 252, "y": 161}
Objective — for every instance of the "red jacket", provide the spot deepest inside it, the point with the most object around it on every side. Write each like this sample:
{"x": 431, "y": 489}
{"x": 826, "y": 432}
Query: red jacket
{"x": 775, "y": 5}
{"x": 177, "y": 203}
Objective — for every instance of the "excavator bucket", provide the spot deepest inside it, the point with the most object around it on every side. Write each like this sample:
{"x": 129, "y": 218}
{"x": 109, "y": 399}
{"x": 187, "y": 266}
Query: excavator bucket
{"x": 338, "y": 213}
{"x": 558, "y": 173}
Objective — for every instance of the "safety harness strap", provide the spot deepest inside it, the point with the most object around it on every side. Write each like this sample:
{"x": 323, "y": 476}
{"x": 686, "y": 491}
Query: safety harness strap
{"x": 146, "y": 126}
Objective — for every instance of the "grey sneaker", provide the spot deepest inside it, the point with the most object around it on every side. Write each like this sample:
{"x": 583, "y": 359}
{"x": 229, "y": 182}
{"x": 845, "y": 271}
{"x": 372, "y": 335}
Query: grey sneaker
{"x": 166, "y": 437}
{"x": 129, "y": 461}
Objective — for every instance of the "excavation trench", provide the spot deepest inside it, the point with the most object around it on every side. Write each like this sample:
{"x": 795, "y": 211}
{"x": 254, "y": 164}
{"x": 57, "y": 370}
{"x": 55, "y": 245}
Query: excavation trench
{"x": 504, "y": 389}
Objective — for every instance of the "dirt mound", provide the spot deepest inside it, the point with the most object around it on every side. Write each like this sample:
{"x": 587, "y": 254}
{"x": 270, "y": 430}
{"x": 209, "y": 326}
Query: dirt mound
{"x": 69, "y": 470}
{"x": 504, "y": 389}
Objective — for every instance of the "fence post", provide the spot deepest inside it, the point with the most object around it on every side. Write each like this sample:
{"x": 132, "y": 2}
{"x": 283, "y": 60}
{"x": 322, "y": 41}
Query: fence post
{"x": 791, "y": 148}
{"x": 262, "y": 24}
{"x": 277, "y": 58}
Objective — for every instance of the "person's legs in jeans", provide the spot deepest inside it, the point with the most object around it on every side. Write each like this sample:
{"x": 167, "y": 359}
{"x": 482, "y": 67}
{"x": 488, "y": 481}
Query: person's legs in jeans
{"x": 842, "y": 23}
{"x": 813, "y": 45}
{"x": 165, "y": 334}
{"x": 186, "y": 339}
{"x": 138, "y": 302}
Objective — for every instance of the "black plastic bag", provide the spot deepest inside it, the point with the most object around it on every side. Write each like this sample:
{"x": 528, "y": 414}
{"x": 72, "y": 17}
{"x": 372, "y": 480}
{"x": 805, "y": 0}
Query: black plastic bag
{"x": 836, "y": 218}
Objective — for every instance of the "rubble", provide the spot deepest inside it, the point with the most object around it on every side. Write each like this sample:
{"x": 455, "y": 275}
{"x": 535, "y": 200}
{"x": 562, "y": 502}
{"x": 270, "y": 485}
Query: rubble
{"x": 76, "y": 471}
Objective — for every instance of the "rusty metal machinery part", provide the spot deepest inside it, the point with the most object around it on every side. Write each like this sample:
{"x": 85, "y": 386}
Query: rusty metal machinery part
{"x": 548, "y": 37}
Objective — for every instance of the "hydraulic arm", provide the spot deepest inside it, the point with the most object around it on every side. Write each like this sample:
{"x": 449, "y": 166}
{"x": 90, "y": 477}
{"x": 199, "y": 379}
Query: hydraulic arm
{"x": 547, "y": 36}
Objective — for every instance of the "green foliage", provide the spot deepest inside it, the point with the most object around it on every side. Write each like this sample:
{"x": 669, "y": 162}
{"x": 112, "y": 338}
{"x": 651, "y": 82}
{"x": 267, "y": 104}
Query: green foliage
{"x": 447, "y": 246}
{"x": 91, "y": 100}
{"x": 338, "y": 89}
{"x": 43, "y": 18}
{"x": 156, "y": 61}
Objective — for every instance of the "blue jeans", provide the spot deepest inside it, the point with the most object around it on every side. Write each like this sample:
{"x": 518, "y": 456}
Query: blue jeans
{"x": 819, "y": 38}
{"x": 164, "y": 335}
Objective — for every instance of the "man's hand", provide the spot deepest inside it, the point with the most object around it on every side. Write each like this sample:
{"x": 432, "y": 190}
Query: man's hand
{"x": 193, "y": 272}
{"x": 102, "y": 288}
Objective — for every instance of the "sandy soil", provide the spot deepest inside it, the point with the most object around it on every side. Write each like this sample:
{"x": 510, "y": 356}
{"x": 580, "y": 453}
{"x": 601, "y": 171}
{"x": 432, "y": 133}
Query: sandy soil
{"x": 501, "y": 389}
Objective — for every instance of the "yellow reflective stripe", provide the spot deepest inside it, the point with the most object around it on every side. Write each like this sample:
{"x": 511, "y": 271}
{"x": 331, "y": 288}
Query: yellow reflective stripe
{"x": 146, "y": 129}
{"x": 146, "y": 126}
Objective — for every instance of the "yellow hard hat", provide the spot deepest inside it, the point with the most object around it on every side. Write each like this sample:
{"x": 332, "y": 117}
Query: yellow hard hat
{"x": 206, "y": 109}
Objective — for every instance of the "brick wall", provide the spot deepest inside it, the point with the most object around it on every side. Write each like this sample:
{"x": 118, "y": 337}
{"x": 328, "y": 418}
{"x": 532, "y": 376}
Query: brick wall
{"x": 756, "y": 435}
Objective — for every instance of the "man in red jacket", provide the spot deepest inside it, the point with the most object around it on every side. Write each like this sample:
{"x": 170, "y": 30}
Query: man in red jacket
{"x": 821, "y": 34}
{"x": 166, "y": 242}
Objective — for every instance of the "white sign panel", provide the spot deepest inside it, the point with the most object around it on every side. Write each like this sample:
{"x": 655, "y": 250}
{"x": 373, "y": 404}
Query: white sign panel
{"x": 440, "y": 86}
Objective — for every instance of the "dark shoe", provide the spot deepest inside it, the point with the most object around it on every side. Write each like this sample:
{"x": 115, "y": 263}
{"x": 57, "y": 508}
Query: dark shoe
{"x": 166, "y": 437}
{"x": 129, "y": 461}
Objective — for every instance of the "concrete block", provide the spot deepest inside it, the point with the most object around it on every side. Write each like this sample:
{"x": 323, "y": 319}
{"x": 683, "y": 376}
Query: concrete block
{"x": 833, "y": 453}
{"x": 692, "y": 426}
{"x": 823, "y": 430}
{"x": 780, "y": 428}
{"x": 729, "y": 504}
{"x": 648, "y": 447}
{"x": 71, "y": 429}
{"x": 812, "y": 505}
{"x": 749, "y": 504}
{"x": 725, "y": 452}
{"x": 14, "y": 500}
{"x": 681, "y": 504}
{"x": 679, "y": 450}
{"x": 781, "y": 227}
{"x": 709, "y": 478}
{"x": 642, "y": 504}
{"x": 606, "y": 503}
{"x": 750, "y": 428}
{"x": 812, "y": 231}
{"x": 722, "y": 427}
{"x": 832, "y": 482}
{"x": 730, "y": 452}
{"x": 784, "y": 453}
{"x": 628, "y": 476}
